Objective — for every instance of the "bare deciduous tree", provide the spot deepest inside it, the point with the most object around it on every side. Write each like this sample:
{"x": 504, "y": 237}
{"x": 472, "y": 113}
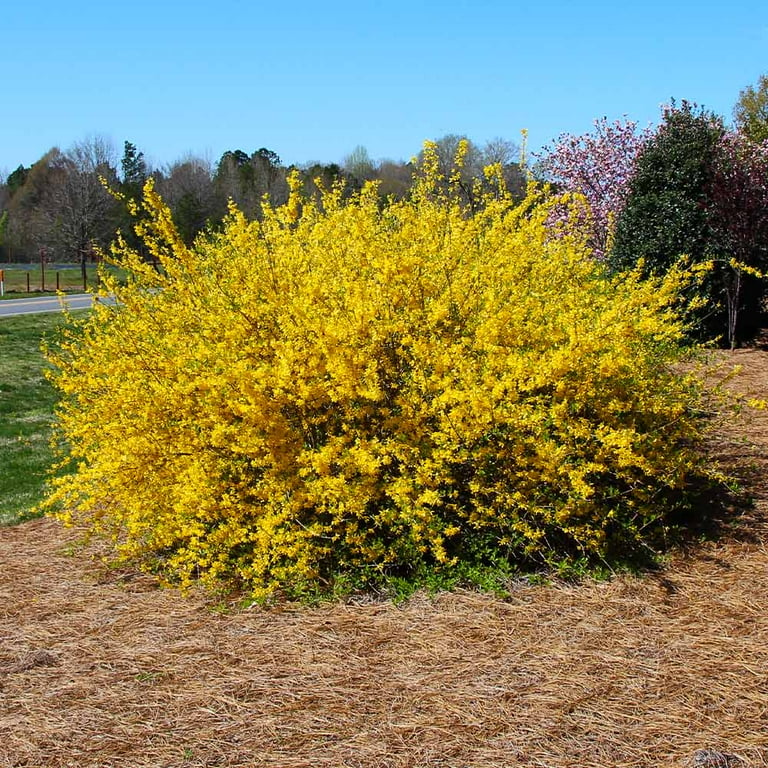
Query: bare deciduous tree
{"x": 187, "y": 187}
{"x": 79, "y": 209}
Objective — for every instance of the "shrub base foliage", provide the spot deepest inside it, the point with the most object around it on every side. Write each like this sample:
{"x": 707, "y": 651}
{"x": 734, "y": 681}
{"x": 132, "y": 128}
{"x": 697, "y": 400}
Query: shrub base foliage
{"x": 343, "y": 391}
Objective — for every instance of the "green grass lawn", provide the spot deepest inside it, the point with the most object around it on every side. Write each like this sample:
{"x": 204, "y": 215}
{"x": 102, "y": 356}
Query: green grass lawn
{"x": 26, "y": 413}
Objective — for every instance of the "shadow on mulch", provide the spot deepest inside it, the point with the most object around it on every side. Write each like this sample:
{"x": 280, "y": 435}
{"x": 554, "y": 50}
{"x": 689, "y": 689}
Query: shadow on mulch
{"x": 738, "y": 446}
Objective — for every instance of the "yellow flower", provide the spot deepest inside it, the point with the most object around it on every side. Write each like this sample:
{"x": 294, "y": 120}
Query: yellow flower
{"x": 341, "y": 387}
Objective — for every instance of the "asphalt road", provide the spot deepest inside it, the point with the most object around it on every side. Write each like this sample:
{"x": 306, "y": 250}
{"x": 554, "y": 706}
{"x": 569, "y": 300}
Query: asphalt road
{"x": 11, "y": 307}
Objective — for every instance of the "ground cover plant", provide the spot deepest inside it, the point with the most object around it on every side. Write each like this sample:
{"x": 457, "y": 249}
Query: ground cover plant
{"x": 345, "y": 393}
{"x": 26, "y": 413}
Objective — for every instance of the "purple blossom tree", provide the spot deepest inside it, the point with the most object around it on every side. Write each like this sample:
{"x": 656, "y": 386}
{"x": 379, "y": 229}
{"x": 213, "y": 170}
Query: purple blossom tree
{"x": 597, "y": 165}
{"x": 738, "y": 211}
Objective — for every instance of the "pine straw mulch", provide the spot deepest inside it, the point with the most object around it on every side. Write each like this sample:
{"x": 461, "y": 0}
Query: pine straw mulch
{"x": 102, "y": 668}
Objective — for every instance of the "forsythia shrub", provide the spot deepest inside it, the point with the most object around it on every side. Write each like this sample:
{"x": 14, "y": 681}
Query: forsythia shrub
{"x": 349, "y": 389}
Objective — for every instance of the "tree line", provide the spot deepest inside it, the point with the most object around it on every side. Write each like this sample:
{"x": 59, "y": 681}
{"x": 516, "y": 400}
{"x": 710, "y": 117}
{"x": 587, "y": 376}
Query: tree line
{"x": 69, "y": 204}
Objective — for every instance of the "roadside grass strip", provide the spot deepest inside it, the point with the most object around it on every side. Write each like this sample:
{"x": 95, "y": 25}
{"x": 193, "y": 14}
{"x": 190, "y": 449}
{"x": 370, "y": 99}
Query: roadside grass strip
{"x": 26, "y": 414}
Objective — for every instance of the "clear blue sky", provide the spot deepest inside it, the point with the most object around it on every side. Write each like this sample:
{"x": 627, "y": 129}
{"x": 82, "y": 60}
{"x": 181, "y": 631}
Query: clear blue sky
{"x": 311, "y": 80}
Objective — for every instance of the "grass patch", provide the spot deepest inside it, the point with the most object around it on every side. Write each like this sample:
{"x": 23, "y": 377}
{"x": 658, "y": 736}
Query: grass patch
{"x": 26, "y": 413}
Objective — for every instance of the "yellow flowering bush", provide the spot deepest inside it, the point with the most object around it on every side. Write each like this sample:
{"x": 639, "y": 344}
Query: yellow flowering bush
{"x": 350, "y": 388}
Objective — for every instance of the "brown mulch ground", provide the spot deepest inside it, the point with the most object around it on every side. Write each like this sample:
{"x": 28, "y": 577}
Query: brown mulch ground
{"x": 102, "y": 668}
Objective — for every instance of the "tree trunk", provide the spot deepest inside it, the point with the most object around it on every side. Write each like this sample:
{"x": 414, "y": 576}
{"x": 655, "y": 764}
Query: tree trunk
{"x": 733, "y": 296}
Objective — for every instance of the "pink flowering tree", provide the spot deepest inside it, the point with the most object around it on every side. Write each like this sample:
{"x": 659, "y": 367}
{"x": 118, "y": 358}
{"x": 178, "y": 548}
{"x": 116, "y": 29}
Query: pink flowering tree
{"x": 597, "y": 165}
{"x": 737, "y": 206}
